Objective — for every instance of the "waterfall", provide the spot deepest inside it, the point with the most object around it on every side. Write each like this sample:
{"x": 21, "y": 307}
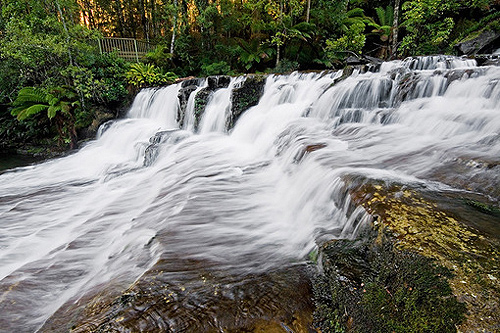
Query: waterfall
{"x": 258, "y": 195}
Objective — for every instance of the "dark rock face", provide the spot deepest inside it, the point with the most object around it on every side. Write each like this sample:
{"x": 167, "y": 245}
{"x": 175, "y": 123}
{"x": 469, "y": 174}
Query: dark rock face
{"x": 245, "y": 96}
{"x": 200, "y": 102}
{"x": 218, "y": 82}
{"x": 101, "y": 116}
{"x": 352, "y": 60}
{"x": 202, "y": 97}
{"x": 488, "y": 59}
{"x": 190, "y": 82}
{"x": 183, "y": 96}
{"x": 486, "y": 42}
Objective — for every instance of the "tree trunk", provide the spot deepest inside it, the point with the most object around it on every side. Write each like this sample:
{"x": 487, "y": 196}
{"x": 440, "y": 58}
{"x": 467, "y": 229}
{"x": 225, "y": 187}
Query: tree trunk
{"x": 278, "y": 49}
{"x": 68, "y": 40}
{"x": 308, "y": 12}
{"x": 174, "y": 29}
{"x": 144, "y": 20}
{"x": 119, "y": 15}
{"x": 395, "y": 29}
{"x": 278, "y": 46}
{"x": 154, "y": 22}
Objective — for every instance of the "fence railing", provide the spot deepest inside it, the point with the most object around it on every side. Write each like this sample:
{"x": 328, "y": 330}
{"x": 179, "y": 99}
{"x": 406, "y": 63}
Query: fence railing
{"x": 129, "y": 49}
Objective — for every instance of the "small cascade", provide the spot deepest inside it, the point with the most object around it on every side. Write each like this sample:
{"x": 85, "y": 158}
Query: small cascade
{"x": 438, "y": 62}
{"x": 235, "y": 177}
{"x": 190, "y": 118}
{"x": 218, "y": 109}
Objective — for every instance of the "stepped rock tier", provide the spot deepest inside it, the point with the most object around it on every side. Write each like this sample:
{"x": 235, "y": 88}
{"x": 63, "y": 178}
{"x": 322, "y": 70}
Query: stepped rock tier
{"x": 202, "y": 210}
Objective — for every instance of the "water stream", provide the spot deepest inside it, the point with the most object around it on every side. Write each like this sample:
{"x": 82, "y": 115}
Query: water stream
{"x": 247, "y": 200}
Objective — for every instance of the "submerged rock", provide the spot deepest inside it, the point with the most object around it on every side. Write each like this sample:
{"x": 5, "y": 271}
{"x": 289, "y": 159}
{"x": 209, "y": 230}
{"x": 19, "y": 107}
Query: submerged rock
{"x": 164, "y": 137}
{"x": 184, "y": 295}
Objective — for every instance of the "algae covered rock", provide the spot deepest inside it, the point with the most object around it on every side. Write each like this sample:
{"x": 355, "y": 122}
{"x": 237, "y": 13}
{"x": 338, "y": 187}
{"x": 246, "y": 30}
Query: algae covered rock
{"x": 421, "y": 239}
{"x": 370, "y": 286}
{"x": 245, "y": 96}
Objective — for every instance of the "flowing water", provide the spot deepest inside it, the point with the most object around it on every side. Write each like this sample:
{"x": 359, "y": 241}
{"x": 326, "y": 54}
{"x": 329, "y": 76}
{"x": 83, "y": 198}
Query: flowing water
{"x": 243, "y": 201}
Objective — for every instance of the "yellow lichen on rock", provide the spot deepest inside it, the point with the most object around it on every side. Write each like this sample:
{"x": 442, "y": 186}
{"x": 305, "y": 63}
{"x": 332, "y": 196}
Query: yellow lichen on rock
{"x": 420, "y": 226}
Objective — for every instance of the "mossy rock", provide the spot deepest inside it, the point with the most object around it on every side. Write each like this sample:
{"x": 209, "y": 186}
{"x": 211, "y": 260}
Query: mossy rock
{"x": 457, "y": 230}
{"x": 245, "y": 96}
{"x": 370, "y": 286}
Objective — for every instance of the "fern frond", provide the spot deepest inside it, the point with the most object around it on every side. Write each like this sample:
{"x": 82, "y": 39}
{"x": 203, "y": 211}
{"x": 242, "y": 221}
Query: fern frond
{"x": 29, "y": 95}
{"x": 25, "y": 112}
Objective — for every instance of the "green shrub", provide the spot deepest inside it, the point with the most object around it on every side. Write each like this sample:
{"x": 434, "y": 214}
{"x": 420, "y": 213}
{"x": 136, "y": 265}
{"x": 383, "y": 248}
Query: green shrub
{"x": 216, "y": 68}
{"x": 148, "y": 75}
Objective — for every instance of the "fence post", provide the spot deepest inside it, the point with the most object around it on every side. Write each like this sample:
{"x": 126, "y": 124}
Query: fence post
{"x": 136, "y": 51}
{"x": 100, "y": 46}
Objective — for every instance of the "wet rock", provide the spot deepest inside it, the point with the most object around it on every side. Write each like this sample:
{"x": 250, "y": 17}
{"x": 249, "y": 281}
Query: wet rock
{"x": 184, "y": 295}
{"x": 442, "y": 229}
{"x": 345, "y": 74}
{"x": 352, "y": 60}
{"x": 203, "y": 96}
{"x": 368, "y": 285}
{"x": 246, "y": 95}
{"x": 218, "y": 82}
{"x": 200, "y": 102}
{"x": 101, "y": 116}
{"x": 473, "y": 174}
{"x": 487, "y": 60}
{"x": 190, "y": 81}
{"x": 459, "y": 74}
{"x": 183, "y": 97}
{"x": 407, "y": 86}
{"x": 486, "y": 42}
{"x": 160, "y": 138}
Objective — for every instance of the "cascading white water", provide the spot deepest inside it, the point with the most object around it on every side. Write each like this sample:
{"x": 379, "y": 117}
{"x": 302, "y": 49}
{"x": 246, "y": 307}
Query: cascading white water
{"x": 258, "y": 196}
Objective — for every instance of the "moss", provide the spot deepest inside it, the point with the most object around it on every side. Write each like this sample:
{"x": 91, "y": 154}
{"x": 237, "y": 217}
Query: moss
{"x": 483, "y": 207}
{"x": 422, "y": 227}
{"x": 246, "y": 96}
{"x": 370, "y": 286}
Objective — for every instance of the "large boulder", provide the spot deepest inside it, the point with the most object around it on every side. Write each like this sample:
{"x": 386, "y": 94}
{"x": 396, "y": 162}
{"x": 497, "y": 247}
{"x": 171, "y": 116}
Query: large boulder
{"x": 427, "y": 262}
{"x": 486, "y": 42}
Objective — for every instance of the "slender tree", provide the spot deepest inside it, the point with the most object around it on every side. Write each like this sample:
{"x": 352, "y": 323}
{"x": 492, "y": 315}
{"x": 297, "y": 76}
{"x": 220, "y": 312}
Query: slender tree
{"x": 395, "y": 29}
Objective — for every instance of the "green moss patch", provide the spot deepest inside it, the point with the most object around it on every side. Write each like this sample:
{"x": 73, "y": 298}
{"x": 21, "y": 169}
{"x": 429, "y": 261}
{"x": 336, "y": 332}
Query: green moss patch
{"x": 370, "y": 286}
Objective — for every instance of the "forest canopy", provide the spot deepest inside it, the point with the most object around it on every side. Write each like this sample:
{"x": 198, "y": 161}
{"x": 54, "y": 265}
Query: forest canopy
{"x": 52, "y": 47}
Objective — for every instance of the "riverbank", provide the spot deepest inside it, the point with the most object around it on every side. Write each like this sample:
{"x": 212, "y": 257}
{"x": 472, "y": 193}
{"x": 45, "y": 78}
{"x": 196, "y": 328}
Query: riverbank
{"x": 14, "y": 160}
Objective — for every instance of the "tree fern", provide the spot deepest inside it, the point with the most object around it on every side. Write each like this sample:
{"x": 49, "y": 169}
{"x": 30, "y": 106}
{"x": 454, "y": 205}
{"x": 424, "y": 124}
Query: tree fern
{"x": 29, "y": 102}
{"x": 58, "y": 102}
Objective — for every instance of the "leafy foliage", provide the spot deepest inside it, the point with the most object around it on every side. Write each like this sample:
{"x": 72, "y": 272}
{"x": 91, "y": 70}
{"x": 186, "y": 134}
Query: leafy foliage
{"x": 53, "y": 43}
{"x": 147, "y": 75}
{"x": 59, "y": 103}
{"x": 216, "y": 68}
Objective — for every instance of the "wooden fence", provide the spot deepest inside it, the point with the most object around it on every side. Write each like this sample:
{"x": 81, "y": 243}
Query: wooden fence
{"x": 129, "y": 49}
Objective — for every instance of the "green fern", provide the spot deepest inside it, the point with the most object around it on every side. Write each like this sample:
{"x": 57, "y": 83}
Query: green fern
{"x": 146, "y": 75}
{"x": 58, "y": 102}
{"x": 29, "y": 102}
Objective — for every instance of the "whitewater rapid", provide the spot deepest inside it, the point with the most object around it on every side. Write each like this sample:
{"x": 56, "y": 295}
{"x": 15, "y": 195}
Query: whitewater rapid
{"x": 259, "y": 195}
